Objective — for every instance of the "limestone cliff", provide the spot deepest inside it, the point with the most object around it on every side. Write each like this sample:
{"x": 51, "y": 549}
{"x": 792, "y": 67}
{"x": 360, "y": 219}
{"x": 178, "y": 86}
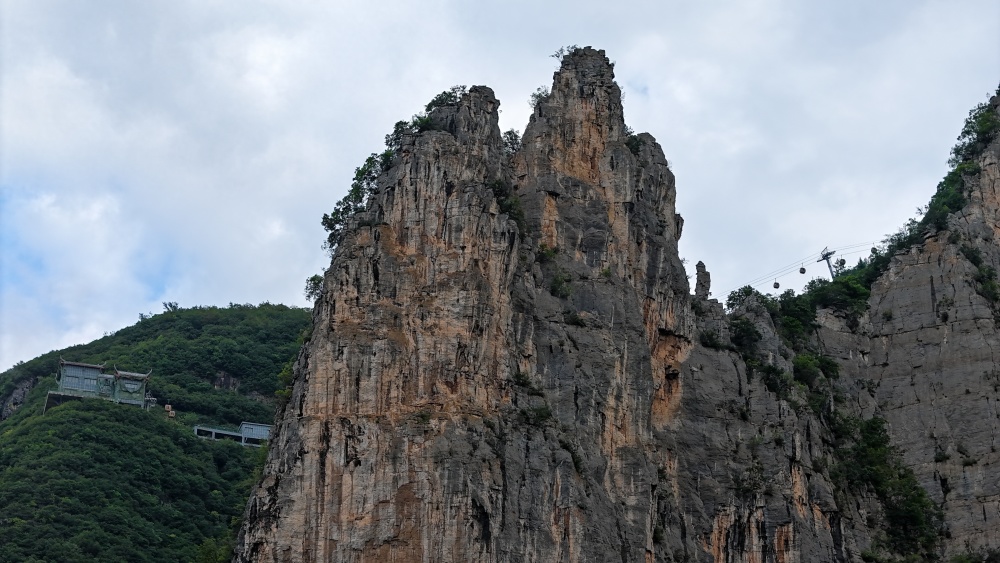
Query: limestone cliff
{"x": 482, "y": 386}
{"x": 925, "y": 357}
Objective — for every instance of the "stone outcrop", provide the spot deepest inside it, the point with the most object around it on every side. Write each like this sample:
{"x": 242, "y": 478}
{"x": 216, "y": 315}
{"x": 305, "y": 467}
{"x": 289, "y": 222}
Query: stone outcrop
{"x": 15, "y": 398}
{"x": 506, "y": 365}
{"x": 703, "y": 281}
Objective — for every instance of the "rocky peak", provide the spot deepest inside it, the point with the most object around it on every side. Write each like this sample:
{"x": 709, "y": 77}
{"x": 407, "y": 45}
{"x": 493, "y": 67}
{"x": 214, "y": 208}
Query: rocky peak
{"x": 583, "y": 113}
{"x": 703, "y": 281}
{"x": 606, "y": 199}
{"x": 473, "y": 121}
{"x": 506, "y": 365}
{"x": 463, "y": 364}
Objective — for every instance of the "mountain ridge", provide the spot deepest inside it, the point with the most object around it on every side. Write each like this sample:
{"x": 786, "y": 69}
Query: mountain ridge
{"x": 483, "y": 389}
{"x": 91, "y": 480}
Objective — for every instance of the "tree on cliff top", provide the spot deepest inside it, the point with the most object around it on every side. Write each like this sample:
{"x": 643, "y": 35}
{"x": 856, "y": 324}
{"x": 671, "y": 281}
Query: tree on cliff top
{"x": 365, "y": 182}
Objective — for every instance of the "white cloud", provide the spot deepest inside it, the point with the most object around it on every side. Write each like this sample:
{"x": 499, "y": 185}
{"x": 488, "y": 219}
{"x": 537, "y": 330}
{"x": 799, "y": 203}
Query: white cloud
{"x": 185, "y": 151}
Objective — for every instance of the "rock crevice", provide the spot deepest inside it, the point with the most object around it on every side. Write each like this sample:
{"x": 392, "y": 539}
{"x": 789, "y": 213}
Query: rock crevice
{"x": 506, "y": 365}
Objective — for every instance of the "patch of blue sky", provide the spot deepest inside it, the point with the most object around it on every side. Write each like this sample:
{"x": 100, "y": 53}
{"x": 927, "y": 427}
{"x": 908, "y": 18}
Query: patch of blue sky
{"x": 19, "y": 265}
{"x": 155, "y": 274}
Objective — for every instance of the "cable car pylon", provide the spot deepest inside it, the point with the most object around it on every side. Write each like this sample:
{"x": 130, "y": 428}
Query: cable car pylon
{"x": 825, "y": 255}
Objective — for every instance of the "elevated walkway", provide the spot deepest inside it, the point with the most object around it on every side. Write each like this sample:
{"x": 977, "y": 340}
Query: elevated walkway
{"x": 250, "y": 433}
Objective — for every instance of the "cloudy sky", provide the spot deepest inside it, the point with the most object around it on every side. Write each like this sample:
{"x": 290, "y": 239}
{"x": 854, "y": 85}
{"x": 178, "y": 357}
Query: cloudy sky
{"x": 185, "y": 150}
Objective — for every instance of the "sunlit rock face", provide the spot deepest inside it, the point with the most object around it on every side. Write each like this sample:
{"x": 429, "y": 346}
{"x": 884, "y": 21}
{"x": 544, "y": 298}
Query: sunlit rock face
{"x": 505, "y": 365}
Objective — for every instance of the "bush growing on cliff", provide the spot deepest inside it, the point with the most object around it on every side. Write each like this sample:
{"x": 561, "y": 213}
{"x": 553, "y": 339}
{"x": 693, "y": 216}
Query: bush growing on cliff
{"x": 546, "y": 254}
{"x": 314, "y": 287}
{"x": 536, "y": 416}
{"x": 633, "y": 141}
{"x": 511, "y": 205}
{"x": 845, "y": 294}
{"x": 449, "y": 97}
{"x": 511, "y": 142}
{"x": 508, "y": 203}
{"x": 710, "y": 339}
{"x": 744, "y": 336}
{"x": 394, "y": 140}
{"x": 363, "y": 186}
{"x": 573, "y": 318}
{"x": 869, "y": 461}
{"x": 979, "y": 130}
{"x": 560, "y": 286}
{"x": 794, "y": 316}
{"x": 563, "y": 51}
{"x": 805, "y": 369}
{"x": 538, "y": 96}
{"x": 366, "y": 176}
{"x": 986, "y": 283}
{"x": 776, "y": 380}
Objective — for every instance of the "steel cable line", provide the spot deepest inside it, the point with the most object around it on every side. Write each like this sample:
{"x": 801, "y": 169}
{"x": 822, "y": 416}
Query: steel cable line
{"x": 794, "y": 265}
{"x": 846, "y": 250}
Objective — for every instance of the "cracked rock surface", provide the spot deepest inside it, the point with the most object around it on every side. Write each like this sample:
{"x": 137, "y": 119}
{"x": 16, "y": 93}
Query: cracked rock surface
{"x": 926, "y": 358}
{"x": 476, "y": 389}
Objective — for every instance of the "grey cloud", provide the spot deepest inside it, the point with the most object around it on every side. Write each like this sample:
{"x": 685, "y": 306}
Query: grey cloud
{"x": 211, "y": 137}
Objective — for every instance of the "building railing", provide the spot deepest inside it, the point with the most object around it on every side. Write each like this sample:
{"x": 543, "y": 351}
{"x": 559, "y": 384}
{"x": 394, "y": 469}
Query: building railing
{"x": 249, "y": 434}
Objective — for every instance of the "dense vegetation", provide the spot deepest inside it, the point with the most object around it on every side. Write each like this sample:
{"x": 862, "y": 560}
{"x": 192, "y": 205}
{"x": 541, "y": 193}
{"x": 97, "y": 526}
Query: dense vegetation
{"x": 94, "y": 481}
{"x": 868, "y": 462}
{"x": 188, "y": 350}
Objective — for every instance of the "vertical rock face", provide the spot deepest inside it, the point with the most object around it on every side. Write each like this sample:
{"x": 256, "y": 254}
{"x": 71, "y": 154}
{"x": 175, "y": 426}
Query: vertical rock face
{"x": 926, "y": 358}
{"x": 475, "y": 393}
{"x": 703, "y": 281}
{"x": 506, "y": 365}
{"x": 381, "y": 450}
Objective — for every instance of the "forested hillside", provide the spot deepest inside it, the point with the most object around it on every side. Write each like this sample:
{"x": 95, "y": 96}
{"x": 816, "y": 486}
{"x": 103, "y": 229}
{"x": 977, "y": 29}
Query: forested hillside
{"x": 95, "y": 481}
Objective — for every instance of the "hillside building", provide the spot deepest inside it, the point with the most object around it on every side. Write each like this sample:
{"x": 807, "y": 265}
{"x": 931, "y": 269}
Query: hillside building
{"x": 93, "y": 381}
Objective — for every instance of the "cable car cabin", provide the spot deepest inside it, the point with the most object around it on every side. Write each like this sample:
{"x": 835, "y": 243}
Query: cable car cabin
{"x": 78, "y": 380}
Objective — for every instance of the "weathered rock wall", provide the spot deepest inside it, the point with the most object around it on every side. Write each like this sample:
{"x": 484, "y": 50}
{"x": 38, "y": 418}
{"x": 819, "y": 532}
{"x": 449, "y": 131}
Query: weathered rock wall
{"x": 479, "y": 389}
{"x": 380, "y": 452}
{"x": 926, "y": 358}
{"x": 470, "y": 393}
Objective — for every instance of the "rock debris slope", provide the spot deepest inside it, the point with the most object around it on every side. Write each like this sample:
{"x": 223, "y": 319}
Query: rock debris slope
{"x": 506, "y": 366}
